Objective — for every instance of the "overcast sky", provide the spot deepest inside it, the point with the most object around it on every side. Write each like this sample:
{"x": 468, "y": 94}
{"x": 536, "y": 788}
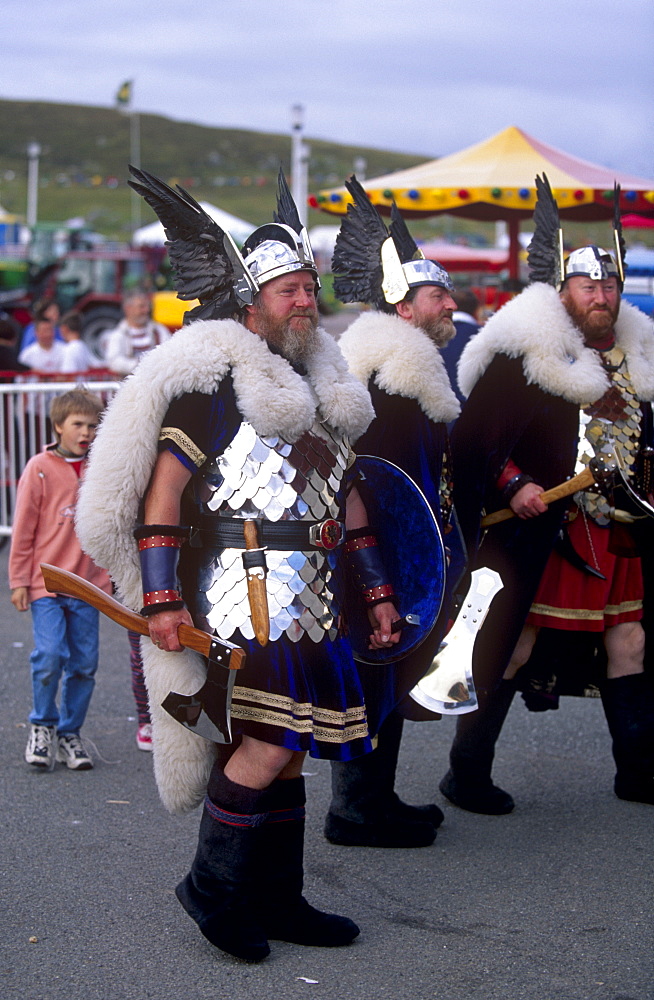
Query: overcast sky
{"x": 427, "y": 77}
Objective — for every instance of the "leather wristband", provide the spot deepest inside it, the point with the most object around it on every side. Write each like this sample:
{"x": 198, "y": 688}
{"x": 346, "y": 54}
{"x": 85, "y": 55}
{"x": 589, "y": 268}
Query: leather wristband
{"x": 367, "y": 567}
{"x": 514, "y": 485}
{"x": 159, "y": 546}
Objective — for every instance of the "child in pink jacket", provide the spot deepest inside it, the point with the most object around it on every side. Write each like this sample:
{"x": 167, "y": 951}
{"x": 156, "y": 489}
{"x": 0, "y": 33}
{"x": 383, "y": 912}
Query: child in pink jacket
{"x": 66, "y": 630}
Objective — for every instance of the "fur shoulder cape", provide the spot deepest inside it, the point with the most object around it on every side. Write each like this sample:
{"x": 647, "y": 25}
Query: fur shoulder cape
{"x": 275, "y": 400}
{"x": 536, "y": 327}
{"x": 403, "y": 362}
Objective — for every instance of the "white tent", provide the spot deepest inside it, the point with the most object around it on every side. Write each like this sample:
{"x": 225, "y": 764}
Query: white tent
{"x": 154, "y": 235}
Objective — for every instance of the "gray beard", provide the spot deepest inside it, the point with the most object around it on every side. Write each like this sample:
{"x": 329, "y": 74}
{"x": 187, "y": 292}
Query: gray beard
{"x": 440, "y": 331}
{"x": 296, "y": 345}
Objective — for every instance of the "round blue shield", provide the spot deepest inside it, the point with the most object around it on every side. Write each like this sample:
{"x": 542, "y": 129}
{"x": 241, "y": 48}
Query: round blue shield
{"x": 412, "y": 549}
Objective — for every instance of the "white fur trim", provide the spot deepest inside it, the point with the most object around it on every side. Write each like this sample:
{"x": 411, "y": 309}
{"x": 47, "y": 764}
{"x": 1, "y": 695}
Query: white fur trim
{"x": 275, "y": 400}
{"x": 536, "y": 327}
{"x": 403, "y": 360}
{"x": 182, "y": 761}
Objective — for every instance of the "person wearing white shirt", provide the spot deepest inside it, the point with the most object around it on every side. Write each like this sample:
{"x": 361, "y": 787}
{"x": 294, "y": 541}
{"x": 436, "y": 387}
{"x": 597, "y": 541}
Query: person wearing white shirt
{"x": 134, "y": 336}
{"x": 77, "y": 356}
{"x": 46, "y": 355}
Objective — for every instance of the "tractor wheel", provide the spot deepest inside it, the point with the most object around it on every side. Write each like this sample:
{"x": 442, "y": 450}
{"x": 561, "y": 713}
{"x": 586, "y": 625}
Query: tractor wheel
{"x": 96, "y": 322}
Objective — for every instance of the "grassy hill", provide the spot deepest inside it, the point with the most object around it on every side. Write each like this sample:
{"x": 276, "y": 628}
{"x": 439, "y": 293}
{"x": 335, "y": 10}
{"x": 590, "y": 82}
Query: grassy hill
{"x": 85, "y": 151}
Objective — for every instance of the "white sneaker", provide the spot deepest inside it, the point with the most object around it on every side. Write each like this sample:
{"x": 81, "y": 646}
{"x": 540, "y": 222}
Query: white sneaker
{"x": 40, "y": 746}
{"x": 71, "y": 752}
{"x": 144, "y": 736}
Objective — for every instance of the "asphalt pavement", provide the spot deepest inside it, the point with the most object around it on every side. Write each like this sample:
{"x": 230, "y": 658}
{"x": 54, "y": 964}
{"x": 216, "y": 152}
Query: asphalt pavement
{"x": 554, "y": 902}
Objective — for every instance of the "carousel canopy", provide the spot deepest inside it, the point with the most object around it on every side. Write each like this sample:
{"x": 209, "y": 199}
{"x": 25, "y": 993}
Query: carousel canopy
{"x": 494, "y": 180}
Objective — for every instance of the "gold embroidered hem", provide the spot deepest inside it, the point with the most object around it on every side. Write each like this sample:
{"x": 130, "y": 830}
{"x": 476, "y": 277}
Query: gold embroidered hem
{"x": 324, "y": 725}
{"x": 184, "y": 443}
{"x": 581, "y": 614}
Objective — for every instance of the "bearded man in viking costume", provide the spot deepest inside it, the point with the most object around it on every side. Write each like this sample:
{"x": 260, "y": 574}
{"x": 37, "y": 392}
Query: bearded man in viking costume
{"x": 393, "y": 348}
{"x": 559, "y": 381}
{"x": 242, "y": 423}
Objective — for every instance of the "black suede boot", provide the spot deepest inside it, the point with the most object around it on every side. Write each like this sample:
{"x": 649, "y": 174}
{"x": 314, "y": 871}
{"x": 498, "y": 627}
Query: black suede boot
{"x": 365, "y": 811}
{"x": 629, "y": 709}
{"x": 468, "y": 783}
{"x": 217, "y": 892}
{"x": 284, "y": 912}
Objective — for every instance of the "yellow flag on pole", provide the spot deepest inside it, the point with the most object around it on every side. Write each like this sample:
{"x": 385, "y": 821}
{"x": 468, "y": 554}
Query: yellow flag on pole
{"x": 124, "y": 94}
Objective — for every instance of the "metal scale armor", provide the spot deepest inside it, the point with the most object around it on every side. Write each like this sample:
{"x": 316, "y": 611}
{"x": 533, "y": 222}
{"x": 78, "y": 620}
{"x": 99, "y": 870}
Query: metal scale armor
{"x": 276, "y": 480}
{"x": 615, "y": 419}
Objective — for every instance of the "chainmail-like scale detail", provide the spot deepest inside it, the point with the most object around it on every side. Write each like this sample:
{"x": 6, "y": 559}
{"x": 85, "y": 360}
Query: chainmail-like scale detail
{"x": 613, "y": 419}
{"x": 273, "y": 479}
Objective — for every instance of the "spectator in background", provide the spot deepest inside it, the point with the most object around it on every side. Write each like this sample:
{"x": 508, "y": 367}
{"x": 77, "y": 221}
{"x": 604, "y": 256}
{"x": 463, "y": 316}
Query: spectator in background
{"x": 134, "y": 336}
{"x": 8, "y": 353}
{"x": 45, "y": 355}
{"x": 42, "y": 307}
{"x": 466, "y": 322}
{"x": 77, "y": 357}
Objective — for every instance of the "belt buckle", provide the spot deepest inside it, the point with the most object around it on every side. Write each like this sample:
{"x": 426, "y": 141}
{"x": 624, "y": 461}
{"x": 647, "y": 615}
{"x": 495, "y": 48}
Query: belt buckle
{"x": 326, "y": 534}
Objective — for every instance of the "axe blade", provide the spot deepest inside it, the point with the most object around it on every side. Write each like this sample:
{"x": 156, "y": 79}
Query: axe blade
{"x": 207, "y": 712}
{"x": 448, "y": 685}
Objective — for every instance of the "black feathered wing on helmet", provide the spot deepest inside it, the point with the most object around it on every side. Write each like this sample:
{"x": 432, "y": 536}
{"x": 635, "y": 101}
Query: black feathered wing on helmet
{"x": 357, "y": 260}
{"x": 545, "y": 252}
{"x": 406, "y": 246}
{"x": 287, "y": 213}
{"x": 377, "y": 265}
{"x": 206, "y": 262}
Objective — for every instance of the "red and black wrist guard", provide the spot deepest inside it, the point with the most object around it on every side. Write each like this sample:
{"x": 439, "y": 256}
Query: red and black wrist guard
{"x": 367, "y": 567}
{"x": 159, "y": 546}
{"x": 510, "y": 480}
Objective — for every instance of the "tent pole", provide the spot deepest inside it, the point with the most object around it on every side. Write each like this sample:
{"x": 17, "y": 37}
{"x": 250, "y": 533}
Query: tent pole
{"x": 514, "y": 246}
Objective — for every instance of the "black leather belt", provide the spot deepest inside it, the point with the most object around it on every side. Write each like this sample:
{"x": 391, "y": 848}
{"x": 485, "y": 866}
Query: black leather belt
{"x": 300, "y": 536}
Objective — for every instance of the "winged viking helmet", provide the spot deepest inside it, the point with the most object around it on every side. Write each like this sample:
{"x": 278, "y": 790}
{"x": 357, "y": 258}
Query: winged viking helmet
{"x": 206, "y": 262}
{"x": 377, "y": 265}
{"x": 545, "y": 254}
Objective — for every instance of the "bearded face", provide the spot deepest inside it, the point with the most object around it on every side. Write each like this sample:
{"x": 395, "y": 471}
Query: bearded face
{"x": 441, "y": 331}
{"x": 286, "y": 316}
{"x": 431, "y": 310}
{"x": 592, "y": 305}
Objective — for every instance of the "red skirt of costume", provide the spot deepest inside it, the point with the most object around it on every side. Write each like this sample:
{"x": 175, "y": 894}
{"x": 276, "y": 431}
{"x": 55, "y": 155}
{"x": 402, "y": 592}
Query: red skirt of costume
{"x": 571, "y": 599}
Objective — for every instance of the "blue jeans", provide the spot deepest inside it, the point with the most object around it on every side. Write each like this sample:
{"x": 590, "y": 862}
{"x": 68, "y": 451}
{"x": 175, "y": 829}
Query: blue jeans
{"x": 65, "y": 642}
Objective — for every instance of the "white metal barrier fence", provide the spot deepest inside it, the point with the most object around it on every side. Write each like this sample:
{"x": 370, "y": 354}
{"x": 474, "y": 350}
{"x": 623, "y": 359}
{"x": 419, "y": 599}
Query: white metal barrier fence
{"x": 24, "y": 430}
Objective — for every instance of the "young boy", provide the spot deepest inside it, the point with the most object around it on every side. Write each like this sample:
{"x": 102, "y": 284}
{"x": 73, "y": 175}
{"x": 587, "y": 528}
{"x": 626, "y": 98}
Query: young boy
{"x": 65, "y": 629}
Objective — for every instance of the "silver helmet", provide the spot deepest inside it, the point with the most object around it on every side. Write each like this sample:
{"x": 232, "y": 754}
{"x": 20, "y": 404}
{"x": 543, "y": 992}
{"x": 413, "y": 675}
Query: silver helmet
{"x": 591, "y": 262}
{"x": 276, "y": 249}
{"x": 426, "y": 272}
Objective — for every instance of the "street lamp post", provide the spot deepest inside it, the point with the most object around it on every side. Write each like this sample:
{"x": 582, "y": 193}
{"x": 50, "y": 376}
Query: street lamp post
{"x": 33, "y": 153}
{"x": 299, "y": 162}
